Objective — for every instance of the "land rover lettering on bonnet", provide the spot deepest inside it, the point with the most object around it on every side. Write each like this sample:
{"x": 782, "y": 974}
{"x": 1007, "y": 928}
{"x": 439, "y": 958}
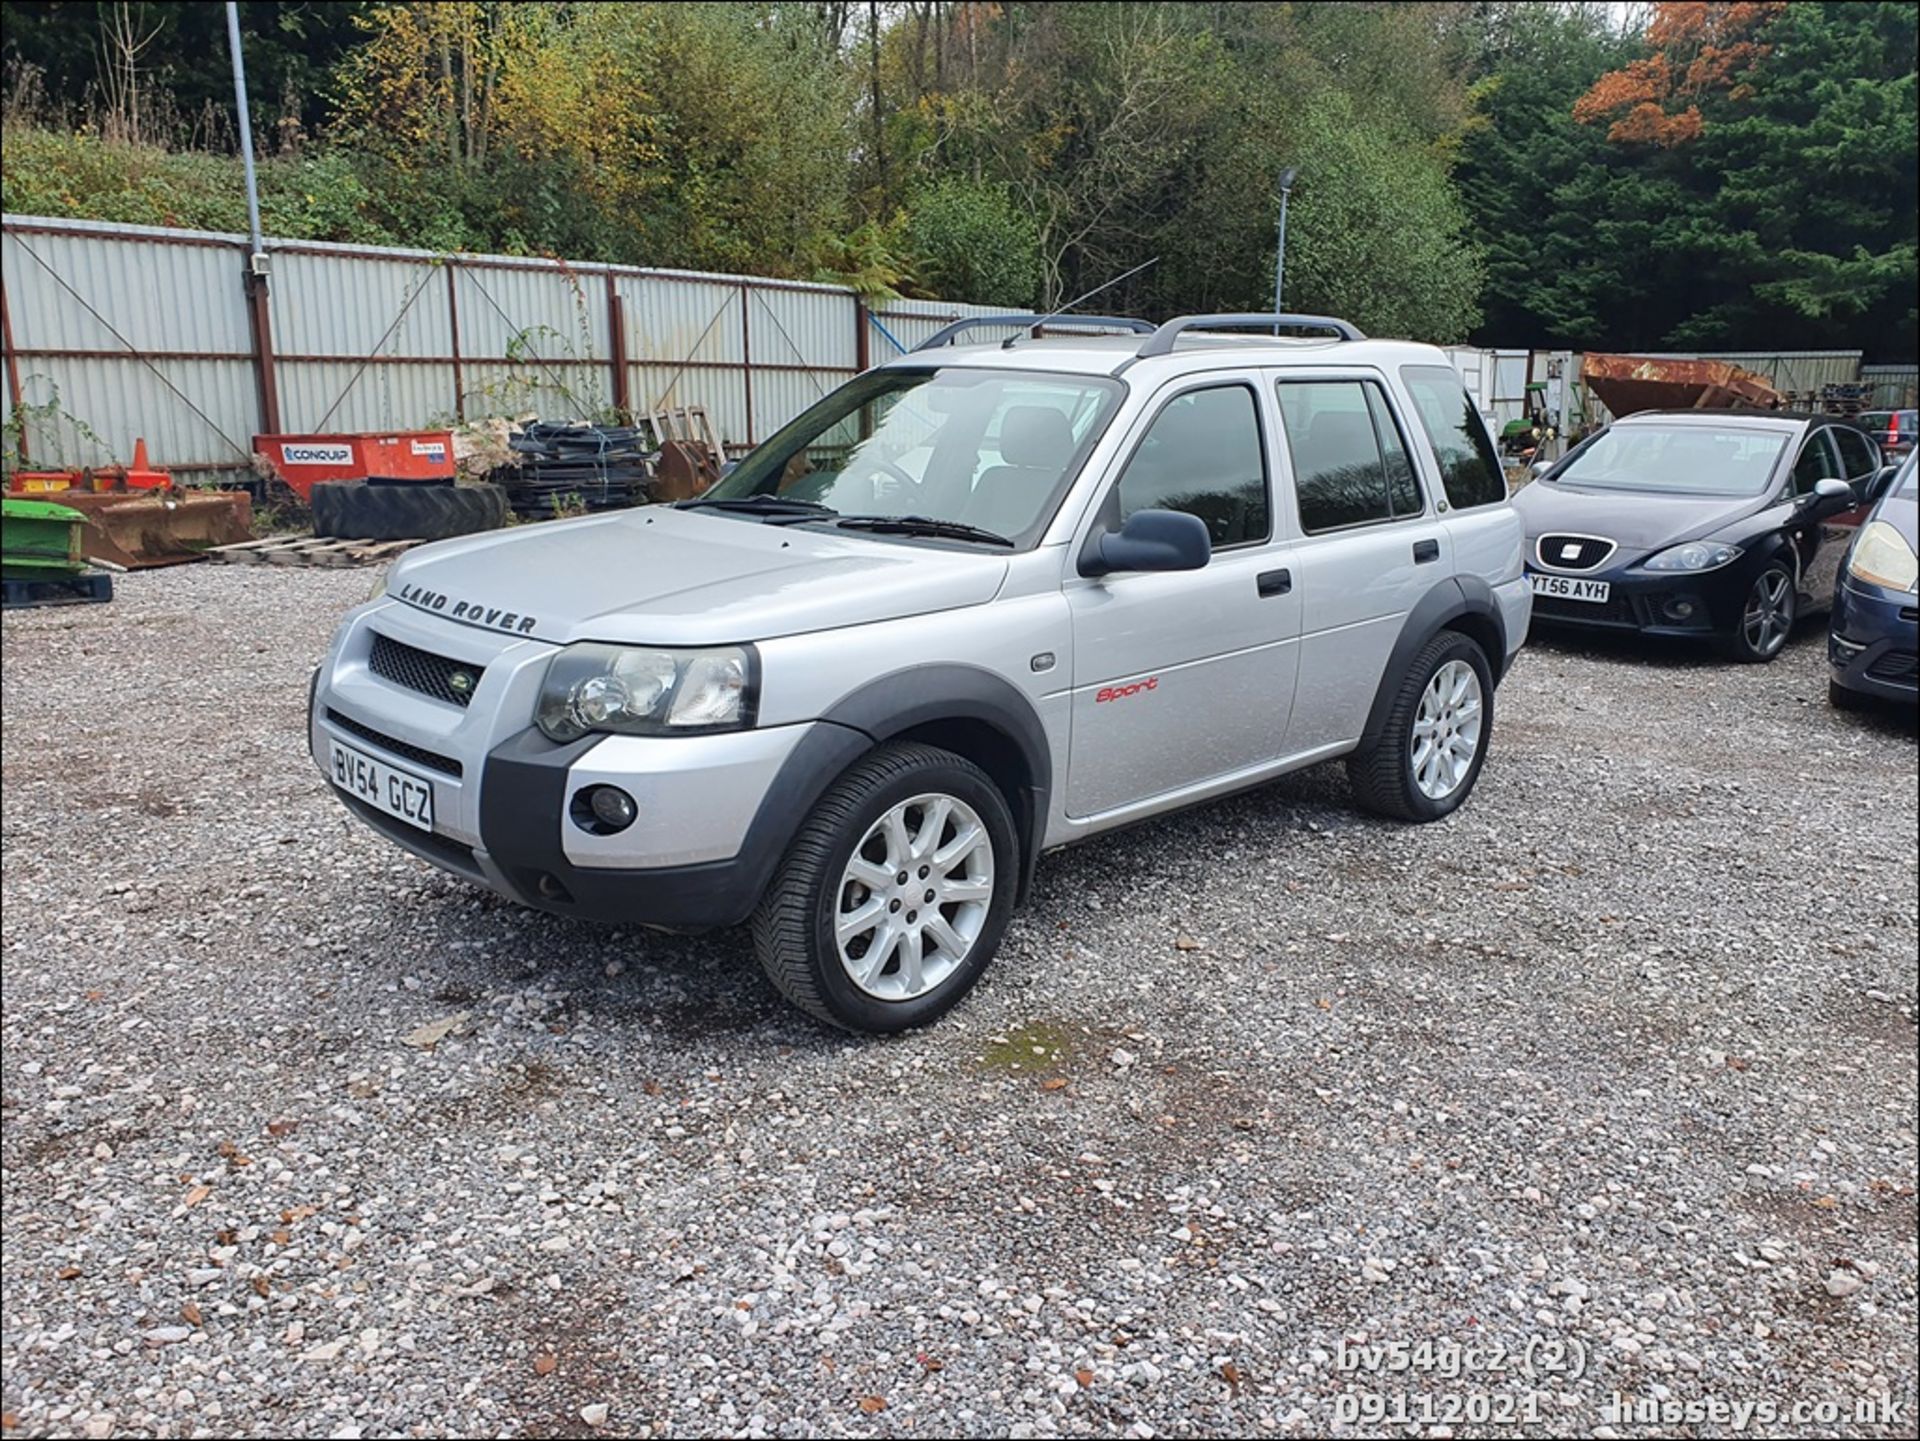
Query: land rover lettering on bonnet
{"x": 851, "y": 694}
{"x": 472, "y": 612}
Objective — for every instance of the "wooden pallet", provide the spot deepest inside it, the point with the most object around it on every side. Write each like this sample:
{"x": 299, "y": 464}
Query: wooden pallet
{"x": 309, "y": 550}
{"x": 88, "y": 589}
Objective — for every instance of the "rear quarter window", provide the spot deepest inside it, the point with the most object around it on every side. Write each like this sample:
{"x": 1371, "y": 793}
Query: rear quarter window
{"x": 1469, "y": 468}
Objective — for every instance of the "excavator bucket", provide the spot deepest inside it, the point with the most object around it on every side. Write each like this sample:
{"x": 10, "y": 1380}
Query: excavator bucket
{"x": 1627, "y": 384}
{"x": 136, "y": 530}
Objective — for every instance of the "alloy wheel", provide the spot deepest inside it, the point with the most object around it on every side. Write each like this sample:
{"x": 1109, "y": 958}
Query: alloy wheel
{"x": 914, "y": 897}
{"x": 1769, "y": 614}
{"x": 1446, "y": 730}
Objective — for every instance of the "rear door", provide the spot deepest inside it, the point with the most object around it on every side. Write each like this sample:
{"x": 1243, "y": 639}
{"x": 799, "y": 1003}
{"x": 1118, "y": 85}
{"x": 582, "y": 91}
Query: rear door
{"x": 1471, "y": 497}
{"x": 1370, "y": 543}
{"x": 1185, "y": 677}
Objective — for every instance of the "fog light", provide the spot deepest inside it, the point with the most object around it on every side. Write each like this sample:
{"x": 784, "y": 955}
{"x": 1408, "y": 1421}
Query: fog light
{"x": 603, "y": 810}
{"x": 1680, "y": 609}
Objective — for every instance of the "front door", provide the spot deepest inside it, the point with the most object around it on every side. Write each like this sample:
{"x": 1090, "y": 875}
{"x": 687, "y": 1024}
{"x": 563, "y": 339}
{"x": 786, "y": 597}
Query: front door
{"x": 1187, "y": 676}
{"x": 1820, "y": 541}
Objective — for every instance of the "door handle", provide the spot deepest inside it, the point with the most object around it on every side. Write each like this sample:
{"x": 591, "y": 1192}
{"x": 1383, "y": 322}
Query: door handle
{"x": 1275, "y": 582}
{"x": 1425, "y": 550}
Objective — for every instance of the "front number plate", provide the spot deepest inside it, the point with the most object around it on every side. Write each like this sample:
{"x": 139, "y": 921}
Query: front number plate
{"x": 381, "y": 786}
{"x": 1566, "y": 587}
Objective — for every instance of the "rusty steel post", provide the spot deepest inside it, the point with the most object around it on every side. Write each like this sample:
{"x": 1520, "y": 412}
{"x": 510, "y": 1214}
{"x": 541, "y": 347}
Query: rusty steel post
{"x": 13, "y": 370}
{"x": 453, "y": 326}
{"x": 260, "y": 323}
{"x": 617, "y": 349}
{"x": 746, "y": 361}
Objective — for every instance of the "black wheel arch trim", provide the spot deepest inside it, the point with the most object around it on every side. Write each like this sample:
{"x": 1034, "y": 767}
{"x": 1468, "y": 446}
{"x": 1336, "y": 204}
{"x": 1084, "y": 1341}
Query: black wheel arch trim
{"x": 524, "y": 790}
{"x": 908, "y": 700}
{"x": 1448, "y": 601}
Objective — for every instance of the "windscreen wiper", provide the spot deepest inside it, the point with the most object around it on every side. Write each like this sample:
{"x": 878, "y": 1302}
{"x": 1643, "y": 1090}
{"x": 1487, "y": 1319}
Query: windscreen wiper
{"x": 762, "y": 503}
{"x": 922, "y": 525}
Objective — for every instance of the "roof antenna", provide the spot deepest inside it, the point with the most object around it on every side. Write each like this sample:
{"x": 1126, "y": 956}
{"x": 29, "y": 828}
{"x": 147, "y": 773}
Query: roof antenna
{"x": 1034, "y": 329}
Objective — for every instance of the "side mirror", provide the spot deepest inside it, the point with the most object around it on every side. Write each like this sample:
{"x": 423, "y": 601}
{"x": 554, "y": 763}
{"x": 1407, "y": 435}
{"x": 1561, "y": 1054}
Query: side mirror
{"x": 1151, "y": 540}
{"x": 1831, "y": 496}
{"x": 1538, "y": 469}
{"x": 1880, "y": 483}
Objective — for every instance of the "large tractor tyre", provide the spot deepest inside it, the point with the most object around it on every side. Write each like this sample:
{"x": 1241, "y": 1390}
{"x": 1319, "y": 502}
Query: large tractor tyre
{"x": 356, "y": 510}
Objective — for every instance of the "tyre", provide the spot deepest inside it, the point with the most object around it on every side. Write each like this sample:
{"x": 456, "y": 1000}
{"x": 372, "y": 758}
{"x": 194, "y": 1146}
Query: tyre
{"x": 357, "y": 510}
{"x": 1428, "y": 755}
{"x": 1767, "y": 615}
{"x": 1840, "y": 698}
{"x": 894, "y": 894}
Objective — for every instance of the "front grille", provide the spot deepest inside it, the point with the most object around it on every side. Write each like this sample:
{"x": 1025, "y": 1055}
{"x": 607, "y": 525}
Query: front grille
{"x": 1897, "y": 666}
{"x": 1616, "y": 609}
{"x": 424, "y": 671}
{"x": 419, "y": 755}
{"x": 1572, "y": 552}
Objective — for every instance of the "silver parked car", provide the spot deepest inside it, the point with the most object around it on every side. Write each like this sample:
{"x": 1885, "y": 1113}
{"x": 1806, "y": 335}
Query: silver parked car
{"x": 980, "y": 602}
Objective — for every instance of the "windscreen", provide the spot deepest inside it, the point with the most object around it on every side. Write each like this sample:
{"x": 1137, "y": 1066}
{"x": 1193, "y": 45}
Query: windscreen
{"x": 981, "y": 447}
{"x": 1676, "y": 460}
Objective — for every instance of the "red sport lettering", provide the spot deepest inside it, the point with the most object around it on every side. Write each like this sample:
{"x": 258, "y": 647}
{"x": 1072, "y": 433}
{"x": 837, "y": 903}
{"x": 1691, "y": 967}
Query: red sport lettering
{"x": 1121, "y": 692}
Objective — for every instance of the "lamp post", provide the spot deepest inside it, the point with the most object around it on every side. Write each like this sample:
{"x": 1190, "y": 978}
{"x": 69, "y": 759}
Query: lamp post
{"x": 240, "y": 108}
{"x": 1287, "y": 177}
{"x": 253, "y": 276}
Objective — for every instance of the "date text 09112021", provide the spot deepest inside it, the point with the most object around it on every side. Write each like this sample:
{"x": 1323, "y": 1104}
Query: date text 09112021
{"x": 1474, "y": 1408}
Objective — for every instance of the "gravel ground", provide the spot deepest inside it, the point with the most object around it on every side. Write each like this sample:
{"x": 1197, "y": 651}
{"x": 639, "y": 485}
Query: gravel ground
{"x": 1614, "y": 1072}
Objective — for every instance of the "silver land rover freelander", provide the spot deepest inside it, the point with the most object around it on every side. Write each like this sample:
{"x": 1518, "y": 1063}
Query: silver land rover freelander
{"x": 980, "y": 602}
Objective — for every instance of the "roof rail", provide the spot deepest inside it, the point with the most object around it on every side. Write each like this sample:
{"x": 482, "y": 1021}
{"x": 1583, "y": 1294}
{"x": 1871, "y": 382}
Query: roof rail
{"x": 1166, "y": 335}
{"x": 946, "y": 334}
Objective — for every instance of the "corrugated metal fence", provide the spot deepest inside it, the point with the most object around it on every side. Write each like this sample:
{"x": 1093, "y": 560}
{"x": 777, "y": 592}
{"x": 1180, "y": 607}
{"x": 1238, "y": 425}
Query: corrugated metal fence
{"x": 117, "y": 332}
{"x": 135, "y": 331}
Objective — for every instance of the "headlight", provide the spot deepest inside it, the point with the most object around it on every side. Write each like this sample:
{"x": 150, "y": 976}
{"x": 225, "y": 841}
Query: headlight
{"x": 1694, "y": 555}
{"x": 1882, "y": 557}
{"x": 633, "y": 690}
{"x": 379, "y": 586}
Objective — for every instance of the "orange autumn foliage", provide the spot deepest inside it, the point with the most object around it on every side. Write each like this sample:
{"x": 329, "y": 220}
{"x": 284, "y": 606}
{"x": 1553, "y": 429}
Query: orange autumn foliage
{"x": 1698, "y": 46}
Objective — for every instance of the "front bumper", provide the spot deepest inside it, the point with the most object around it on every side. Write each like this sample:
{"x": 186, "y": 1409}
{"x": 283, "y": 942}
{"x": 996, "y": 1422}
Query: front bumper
{"x": 715, "y": 811}
{"x": 1653, "y": 603}
{"x": 1873, "y": 642}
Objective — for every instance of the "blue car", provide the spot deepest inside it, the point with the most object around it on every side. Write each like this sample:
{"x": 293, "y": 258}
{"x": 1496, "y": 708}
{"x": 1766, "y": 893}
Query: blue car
{"x": 1871, "y": 642}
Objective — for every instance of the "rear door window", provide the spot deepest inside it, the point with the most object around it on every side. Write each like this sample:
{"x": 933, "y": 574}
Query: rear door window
{"x": 1469, "y": 468}
{"x": 1350, "y": 464}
